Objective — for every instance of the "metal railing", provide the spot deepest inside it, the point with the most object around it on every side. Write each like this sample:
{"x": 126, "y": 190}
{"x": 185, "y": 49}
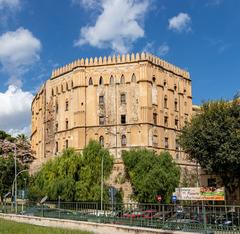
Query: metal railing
{"x": 193, "y": 218}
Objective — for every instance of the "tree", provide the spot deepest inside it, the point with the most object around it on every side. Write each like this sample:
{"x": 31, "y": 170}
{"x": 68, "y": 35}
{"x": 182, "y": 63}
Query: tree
{"x": 151, "y": 174}
{"x": 73, "y": 176}
{"x": 7, "y": 175}
{"x": 213, "y": 140}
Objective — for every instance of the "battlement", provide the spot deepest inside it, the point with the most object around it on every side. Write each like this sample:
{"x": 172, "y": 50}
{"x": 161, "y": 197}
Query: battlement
{"x": 119, "y": 59}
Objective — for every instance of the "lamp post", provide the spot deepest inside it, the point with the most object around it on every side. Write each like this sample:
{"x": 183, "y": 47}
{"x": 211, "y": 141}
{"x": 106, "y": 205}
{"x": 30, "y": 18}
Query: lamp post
{"x": 102, "y": 184}
{"x": 15, "y": 175}
{"x": 15, "y": 183}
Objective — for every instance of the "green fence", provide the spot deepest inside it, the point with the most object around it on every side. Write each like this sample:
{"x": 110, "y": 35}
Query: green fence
{"x": 193, "y": 218}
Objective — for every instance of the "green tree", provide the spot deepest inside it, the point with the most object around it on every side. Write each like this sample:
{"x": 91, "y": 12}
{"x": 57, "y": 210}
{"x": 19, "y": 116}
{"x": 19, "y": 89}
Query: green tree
{"x": 151, "y": 174}
{"x": 213, "y": 140}
{"x": 89, "y": 187}
{"x": 7, "y": 170}
{"x": 73, "y": 176}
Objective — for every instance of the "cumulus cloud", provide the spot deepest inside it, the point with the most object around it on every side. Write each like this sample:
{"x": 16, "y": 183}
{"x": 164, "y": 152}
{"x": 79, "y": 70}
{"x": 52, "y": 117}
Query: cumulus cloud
{"x": 15, "y": 110}
{"x": 117, "y": 26}
{"x": 18, "y": 51}
{"x": 180, "y": 23}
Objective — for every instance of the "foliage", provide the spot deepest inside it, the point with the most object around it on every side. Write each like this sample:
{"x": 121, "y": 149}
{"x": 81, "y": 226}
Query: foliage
{"x": 7, "y": 170}
{"x": 5, "y": 136}
{"x": 20, "y": 228}
{"x": 73, "y": 176}
{"x": 151, "y": 174}
{"x": 213, "y": 140}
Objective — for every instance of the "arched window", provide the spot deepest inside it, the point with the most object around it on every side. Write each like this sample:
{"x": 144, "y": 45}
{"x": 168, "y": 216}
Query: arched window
{"x": 164, "y": 83}
{"x": 165, "y": 101}
{"x": 56, "y": 107}
{"x": 90, "y": 82}
{"x": 66, "y": 144}
{"x": 56, "y": 126}
{"x": 176, "y": 122}
{"x": 101, "y": 80}
{"x": 56, "y": 147}
{"x": 124, "y": 140}
{"x": 101, "y": 141}
{"x": 175, "y": 87}
{"x": 66, "y": 105}
{"x": 111, "y": 80}
{"x": 154, "y": 79}
{"x": 133, "y": 78}
{"x": 175, "y": 105}
{"x": 122, "y": 81}
{"x": 66, "y": 124}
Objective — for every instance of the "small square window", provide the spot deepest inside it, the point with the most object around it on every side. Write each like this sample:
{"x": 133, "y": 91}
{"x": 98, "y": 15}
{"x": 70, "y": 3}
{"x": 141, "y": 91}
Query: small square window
{"x": 123, "y": 98}
{"x": 101, "y": 100}
{"x": 101, "y": 120}
{"x": 123, "y": 119}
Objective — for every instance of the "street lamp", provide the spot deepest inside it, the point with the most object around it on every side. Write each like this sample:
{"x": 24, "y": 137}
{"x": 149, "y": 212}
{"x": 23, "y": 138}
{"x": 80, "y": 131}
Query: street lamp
{"x": 102, "y": 184}
{"x": 15, "y": 183}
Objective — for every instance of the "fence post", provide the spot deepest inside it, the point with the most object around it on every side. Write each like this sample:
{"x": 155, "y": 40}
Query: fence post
{"x": 204, "y": 217}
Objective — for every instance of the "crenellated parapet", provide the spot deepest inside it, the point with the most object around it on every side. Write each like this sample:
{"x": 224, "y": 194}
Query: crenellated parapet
{"x": 111, "y": 60}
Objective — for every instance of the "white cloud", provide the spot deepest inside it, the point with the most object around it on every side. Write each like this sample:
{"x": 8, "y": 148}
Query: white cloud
{"x": 163, "y": 49}
{"x": 15, "y": 110}
{"x": 87, "y": 4}
{"x": 117, "y": 27}
{"x": 18, "y": 50}
{"x": 9, "y": 4}
{"x": 213, "y": 3}
{"x": 180, "y": 23}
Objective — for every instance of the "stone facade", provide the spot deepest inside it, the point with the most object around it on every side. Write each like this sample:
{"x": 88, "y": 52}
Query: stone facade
{"x": 124, "y": 102}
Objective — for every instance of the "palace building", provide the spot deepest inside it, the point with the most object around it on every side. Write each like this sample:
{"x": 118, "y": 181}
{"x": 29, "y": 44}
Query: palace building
{"x": 124, "y": 102}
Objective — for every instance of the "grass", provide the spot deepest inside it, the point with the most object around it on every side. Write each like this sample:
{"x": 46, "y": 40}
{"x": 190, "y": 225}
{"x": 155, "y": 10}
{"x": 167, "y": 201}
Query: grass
{"x": 10, "y": 227}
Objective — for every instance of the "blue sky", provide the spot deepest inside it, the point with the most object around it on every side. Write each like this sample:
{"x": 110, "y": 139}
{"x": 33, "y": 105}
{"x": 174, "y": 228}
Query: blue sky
{"x": 202, "y": 36}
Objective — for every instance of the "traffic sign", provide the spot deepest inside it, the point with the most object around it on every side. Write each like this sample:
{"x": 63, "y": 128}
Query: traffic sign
{"x": 174, "y": 198}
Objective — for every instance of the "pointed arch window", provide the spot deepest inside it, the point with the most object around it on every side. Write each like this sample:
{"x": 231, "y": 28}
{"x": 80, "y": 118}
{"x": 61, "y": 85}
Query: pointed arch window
{"x": 66, "y": 124}
{"x": 56, "y": 147}
{"x": 90, "y": 82}
{"x": 123, "y": 140}
{"x": 175, "y": 105}
{"x": 66, "y": 144}
{"x": 165, "y": 101}
{"x": 101, "y": 141}
{"x": 133, "y": 78}
{"x": 101, "y": 80}
{"x": 122, "y": 80}
{"x": 111, "y": 80}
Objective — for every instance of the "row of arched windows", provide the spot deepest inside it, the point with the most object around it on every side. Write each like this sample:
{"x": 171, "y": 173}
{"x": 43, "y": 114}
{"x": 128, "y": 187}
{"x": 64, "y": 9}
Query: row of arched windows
{"x": 111, "y": 82}
{"x": 63, "y": 88}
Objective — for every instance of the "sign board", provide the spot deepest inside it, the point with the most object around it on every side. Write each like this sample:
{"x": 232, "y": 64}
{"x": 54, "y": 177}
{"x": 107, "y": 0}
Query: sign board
{"x": 200, "y": 194}
{"x": 174, "y": 198}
